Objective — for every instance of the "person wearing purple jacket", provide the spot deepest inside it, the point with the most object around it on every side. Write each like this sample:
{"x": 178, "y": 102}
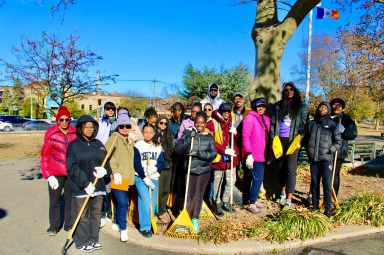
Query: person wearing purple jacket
{"x": 256, "y": 127}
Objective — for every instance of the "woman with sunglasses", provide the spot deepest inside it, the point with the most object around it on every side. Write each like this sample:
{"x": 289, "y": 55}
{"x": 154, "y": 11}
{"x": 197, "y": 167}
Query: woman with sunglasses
{"x": 135, "y": 133}
{"x": 164, "y": 137}
{"x": 107, "y": 124}
{"x": 53, "y": 168}
{"x": 289, "y": 118}
{"x": 121, "y": 163}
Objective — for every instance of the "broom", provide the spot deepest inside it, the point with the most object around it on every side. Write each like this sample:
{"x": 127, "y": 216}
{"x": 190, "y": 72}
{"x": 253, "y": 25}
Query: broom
{"x": 182, "y": 226}
{"x": 153, "y": 220}
{"x": 65, "y": 248}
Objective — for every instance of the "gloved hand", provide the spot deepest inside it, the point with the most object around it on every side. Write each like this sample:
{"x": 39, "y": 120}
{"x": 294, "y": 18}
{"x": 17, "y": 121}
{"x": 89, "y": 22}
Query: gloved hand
{"x": 117, "y": 178}
{"x": 193, "y": 153}
{"x": 341, "y": 127}
{"x": 53, "y": 182}
{"x": 230, "y": 152}
{"x": 100, "y": 172}
{"x": 151, "y": 170}
{"x": 149, "y": 183}
{"x": 233, "y": 130}
{"x": 249, "y": 161}
{"x": 193, "y": 132}
{"x": 108, "y": 187}
{"x": 90, "y": 189}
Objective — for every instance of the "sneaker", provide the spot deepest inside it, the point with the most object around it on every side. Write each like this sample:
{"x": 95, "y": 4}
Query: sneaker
{"x": 195, "y": 224}
{"x": 51, "y": 232}
{"x": 67, "y": 228}
{"x": 87, "y": 248}
{"x": 123, "y": 235}
{"x": 103, "y": 222}
{"x": 287, "y": 206}
{"x": 282, "y": 198}
{"x": 115, "y": 227}
{"x": 218, "y": 210}
{"x": 97, "y": 246}
{"x": 146, "y": 233}
{"x": 259, "y": 206}
{"x": 253, "y": 209}
{"x": 228, "y": 208}
{"x": 328, "y": 213}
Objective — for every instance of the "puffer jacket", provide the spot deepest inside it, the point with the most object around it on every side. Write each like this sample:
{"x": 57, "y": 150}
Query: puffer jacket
{"x": 122, "y": 156}
{"x": 206, "y": 151}
{"x": 54, "y": 150}
{"x": 255, "y": 136}
{"x": 322, "y": 137}
{"x": 298, "y": 122}
{"x": 350, "y": 133}
{"x": 82, "y": 157}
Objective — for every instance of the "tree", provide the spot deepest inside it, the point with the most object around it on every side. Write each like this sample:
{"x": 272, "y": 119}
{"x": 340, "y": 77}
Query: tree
{"x": 7, "y": 100}
{"x": 135, "y": 102}
{"x": 56, "y": 70}
{"x": 230, "y": 80}
{"x": 270, "y": 37}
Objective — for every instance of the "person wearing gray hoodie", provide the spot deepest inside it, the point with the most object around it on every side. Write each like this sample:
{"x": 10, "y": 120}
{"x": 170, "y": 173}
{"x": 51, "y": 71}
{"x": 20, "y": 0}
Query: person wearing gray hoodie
{"x": 213, "y": 96}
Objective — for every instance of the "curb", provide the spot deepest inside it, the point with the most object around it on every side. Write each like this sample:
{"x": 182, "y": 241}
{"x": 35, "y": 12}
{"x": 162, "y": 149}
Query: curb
{"x": 190, "y": 246}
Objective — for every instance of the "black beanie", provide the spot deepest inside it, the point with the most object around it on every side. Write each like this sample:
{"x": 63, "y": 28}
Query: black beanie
{"x": 337, "y": 100}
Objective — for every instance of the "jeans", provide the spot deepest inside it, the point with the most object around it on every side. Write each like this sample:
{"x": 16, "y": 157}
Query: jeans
{"x": 257, "y": 180}
{"x": 87, "y": 230}
{"x": 321, "y": 170}
{"x": 54, "y": 204}
{"x": 143, "y": 203}
{"x": 121, "y": 207}
{"x": 336, "y": 181}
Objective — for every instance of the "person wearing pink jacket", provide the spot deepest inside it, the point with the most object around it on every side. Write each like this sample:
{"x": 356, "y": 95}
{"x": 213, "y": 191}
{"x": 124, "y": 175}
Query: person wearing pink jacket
{"x": 53, "y": 168}
{"x": 256, "y": 127}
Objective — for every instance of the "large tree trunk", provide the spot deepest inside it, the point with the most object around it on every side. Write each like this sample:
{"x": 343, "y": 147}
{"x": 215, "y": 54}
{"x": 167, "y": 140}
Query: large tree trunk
{"x": 270, "y": 37}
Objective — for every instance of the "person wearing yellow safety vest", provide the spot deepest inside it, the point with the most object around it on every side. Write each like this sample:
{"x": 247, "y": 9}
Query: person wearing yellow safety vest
{"x": 289, "y": 117}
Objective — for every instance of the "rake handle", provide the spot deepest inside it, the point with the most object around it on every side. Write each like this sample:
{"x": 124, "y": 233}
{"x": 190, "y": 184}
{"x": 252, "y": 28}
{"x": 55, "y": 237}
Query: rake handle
{"x": 333, "y": 179}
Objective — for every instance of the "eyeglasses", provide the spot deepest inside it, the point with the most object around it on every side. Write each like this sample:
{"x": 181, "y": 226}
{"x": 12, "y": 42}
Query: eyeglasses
{"x": 207, "y": 109}
{"x": 110, "y": 108}
{"x": 63, "y": 120}
{"x": 289, "y": 89}
{"x": 163, "y": 123}
{"x": 125, "y": 126}
{"x": 213, "y": 90}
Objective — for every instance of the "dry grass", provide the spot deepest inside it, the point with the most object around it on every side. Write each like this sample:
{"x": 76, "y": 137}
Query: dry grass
{"x": 21, "y": 144}
{"x": 368, "y": 129}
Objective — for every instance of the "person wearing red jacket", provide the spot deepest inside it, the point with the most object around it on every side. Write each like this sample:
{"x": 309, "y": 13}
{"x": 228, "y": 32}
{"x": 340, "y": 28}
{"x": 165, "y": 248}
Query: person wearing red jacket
{"x": 53, "y": 168}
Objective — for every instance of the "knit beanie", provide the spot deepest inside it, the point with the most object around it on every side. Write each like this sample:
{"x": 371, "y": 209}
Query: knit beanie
{"x": 63, "y": 110}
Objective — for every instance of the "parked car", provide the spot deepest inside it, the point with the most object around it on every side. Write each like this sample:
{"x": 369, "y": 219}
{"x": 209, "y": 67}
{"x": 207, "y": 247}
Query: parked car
{"x": 36, "y": 125}
{"x": 17, "y": 121}
{"x": 73, "y": 123}
{"x": 6, "y": 126}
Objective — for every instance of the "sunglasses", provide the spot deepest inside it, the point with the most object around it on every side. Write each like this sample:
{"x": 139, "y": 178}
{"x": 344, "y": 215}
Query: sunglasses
{"x": 110, "y": 108}
{"x": 207, "y": 109}
{"x": 213, "y": 90}
{"x": 125, "y": 126}
{"x": 289, "y": 89}
{"x": 63, "y": 120}
{"x": 163, "y": 123}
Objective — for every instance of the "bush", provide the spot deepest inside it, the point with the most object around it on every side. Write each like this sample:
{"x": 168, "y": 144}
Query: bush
{"x": 362, "y": 209}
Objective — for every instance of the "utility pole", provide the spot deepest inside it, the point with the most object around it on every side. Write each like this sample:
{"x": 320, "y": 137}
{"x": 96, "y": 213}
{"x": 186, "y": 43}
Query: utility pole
{"x": 309, "y": 57}
{"x": 98, "y": 112}
{"x": 154, "y": 92}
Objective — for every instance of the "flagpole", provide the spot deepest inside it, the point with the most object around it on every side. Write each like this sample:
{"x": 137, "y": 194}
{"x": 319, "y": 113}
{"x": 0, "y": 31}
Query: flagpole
{"x": 309, "y": 57}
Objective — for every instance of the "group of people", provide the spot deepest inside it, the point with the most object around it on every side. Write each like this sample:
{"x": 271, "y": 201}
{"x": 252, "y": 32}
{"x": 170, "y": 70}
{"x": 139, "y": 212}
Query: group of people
{"x": 212, "y": 145}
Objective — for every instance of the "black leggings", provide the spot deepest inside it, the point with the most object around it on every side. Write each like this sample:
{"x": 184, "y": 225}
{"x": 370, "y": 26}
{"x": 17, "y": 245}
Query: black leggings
{"x": 287, "y": 167}
{"x": 196, "y": 189}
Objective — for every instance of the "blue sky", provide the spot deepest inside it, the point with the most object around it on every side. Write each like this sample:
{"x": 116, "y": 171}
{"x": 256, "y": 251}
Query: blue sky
{"x": 144, "y": 40}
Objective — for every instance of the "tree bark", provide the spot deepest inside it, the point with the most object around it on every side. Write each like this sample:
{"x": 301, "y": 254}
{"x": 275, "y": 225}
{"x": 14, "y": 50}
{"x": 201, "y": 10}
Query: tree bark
{"x": 270, "y": 38}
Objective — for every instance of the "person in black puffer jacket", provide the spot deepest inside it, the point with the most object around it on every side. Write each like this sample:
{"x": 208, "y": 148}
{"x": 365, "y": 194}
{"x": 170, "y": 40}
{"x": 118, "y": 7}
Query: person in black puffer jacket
{"x": 321, "y": 141}
{"x": 84, "y": 158}
{"x": 348, "y": 131}
{"x": 202, "y": 153}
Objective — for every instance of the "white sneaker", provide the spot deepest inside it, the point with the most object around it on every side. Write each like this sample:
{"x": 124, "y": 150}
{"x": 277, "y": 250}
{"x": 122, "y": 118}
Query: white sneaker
{"x": 102, "y": 222}
{"x": 123, "y": 235}
{"x": 115, "y": 227}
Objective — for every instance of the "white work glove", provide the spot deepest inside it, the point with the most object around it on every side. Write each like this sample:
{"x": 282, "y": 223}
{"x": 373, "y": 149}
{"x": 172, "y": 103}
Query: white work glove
{"x": 117, "y": 178}
{"x": 230, "y": 152}
{"x": 90, "y": 189}
{"x": 151, "y": 170}
{"x": 149, "y": 183}
{"x": 53, "y": 183}
{"x": 249, "y": 161}
{"x": 100, "y": 172}
{"x": 108, "y": 187}
{"x": 233, "y": 130}
{"x": 341, "y": 127}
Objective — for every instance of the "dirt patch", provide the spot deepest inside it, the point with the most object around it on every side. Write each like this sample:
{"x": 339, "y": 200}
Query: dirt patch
{"x": 20, "y": 145}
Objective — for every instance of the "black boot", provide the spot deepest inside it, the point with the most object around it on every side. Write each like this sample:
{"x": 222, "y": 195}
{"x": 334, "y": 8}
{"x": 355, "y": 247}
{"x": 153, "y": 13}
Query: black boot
{"x": 218, "y": 209}
{"x": 328, "y": 213}
{"x": 228, "y": 208}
